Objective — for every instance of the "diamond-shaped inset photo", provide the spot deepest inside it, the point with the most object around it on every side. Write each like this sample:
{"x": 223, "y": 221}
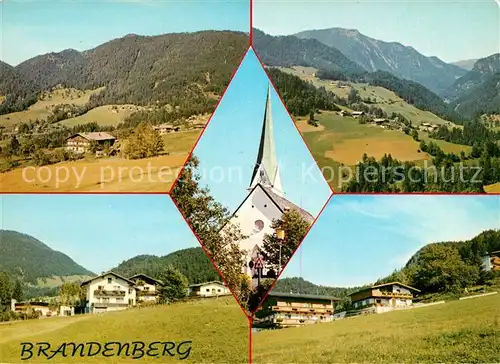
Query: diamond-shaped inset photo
{"x": 111, "y": 96}
{"x": 402, "y": 107}
{"x": 251, "y": 189}
{"x": 376, "y": 276}
{"x": 110, "y": 278}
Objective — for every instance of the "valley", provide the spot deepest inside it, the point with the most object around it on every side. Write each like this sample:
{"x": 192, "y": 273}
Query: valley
{"x": 354, "y": 121}
{"x": 133, "y": 123}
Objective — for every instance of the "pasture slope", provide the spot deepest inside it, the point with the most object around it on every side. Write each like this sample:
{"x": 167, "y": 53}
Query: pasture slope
{"x": 465, "y": 331}
{"x": 42, "y": 109}
{"x": 217, "y": 328}
{"x": 339, "y": 143}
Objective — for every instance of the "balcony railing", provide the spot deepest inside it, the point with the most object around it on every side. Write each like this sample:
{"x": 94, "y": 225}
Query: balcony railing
{"x": 147, "y": 293}
{"x": 111, "y": 293}
{"x": 396, "y": 294}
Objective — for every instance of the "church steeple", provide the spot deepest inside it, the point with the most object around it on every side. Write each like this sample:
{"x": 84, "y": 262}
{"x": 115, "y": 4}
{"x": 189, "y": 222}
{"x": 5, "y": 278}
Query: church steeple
{"x": 266, "y": 170}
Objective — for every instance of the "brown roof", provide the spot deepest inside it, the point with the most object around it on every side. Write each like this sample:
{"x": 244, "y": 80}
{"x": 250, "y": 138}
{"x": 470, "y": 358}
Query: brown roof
{"x": 385, "y": 285}
{"x": 285, "y": 204}
{"x": 97, "y": 136}
{"x": 105, "y": 274}
{"x": 144, "y": 278}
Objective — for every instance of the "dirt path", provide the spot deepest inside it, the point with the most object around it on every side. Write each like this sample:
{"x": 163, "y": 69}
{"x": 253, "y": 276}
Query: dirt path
{"x": 14, "y": 330}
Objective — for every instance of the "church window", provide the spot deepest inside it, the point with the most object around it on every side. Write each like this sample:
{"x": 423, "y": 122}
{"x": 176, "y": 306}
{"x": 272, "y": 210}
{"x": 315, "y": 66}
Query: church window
{"x": 258, "y": 225}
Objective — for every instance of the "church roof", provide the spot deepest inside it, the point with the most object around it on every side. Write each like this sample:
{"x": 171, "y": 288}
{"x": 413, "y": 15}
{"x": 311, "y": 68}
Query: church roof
{"x": 266, "y": 170}
{"x": 285, "y": 204}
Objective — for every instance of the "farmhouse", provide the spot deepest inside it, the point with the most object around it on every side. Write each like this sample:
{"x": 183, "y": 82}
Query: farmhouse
{"x": 264, "y": 202}
{"x": 357, "y": 114}
{"x": 289, "y": 310}
{"x": 41, "y": 307}
{"x": 146, "y": 287}
{"x": 491, "y": 261}
{"x": 383, "y": 297}
{"x": 165, "y": 128}
{"x": 380, "y": 121}
{"x": 428, "y": 127}
{"x": 208, "y": 289}
{"x": 80, "y": 142}
{"x": 109, "y": 292}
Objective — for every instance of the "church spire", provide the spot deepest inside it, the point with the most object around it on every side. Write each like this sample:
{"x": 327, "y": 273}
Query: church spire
{"x": 266, "y": 170}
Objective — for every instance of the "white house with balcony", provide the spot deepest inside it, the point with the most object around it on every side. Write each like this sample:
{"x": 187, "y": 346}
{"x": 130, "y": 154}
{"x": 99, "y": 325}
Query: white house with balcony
{"x": 146, "y": 288}
{"x": 109, "y": 292}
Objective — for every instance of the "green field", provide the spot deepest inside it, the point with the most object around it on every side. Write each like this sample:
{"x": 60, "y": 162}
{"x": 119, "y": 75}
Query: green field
{"x": 112, "y": 174}
{"x": 217, "y": 328}
{"x": 42, "y": 108}
{"x": 341, "y": 141}
{"x": 454, "y": 332}
{"x": 108, "y": 115}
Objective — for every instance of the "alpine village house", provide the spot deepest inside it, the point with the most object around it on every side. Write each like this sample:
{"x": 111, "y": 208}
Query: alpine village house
{"x": 81, "y": 142}
{"x": 383, "y": 298}
{"x": 281, "y": 310}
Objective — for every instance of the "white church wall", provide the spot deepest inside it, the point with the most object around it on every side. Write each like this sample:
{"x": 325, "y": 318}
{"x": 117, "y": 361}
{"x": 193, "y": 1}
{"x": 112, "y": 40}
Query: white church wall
{"x": 257, "y": 207}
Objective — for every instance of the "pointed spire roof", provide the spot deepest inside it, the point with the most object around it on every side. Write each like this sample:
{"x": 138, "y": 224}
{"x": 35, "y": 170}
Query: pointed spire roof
{"x": 266, "y": 170}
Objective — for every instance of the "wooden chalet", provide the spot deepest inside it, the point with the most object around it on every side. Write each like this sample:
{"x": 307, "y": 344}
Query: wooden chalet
{"x": 282, "y": 310}
{"x": 384, "y": 297}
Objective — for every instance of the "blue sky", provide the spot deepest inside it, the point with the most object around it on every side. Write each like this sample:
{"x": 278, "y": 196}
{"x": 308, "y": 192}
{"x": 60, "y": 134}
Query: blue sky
{"x": 358, "y": 239}
{"x": 99, "y": 231}
{"x": 30, "y": 28}
{"x": 228, "y": 148}
{"x": 451, "y": 30}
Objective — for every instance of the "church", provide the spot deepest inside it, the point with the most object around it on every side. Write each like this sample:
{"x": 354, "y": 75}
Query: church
{"x": 265, "y": 201}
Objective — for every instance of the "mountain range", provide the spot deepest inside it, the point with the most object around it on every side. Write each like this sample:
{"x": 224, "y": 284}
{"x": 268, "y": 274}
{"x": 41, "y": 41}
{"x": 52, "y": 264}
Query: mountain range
{"x": 42, "y": 269}
{"x": 428, "y": 83}
{"x": 179, "y": 69}
{"x": 396, "y": 58}
{"x": 466, "y": 64}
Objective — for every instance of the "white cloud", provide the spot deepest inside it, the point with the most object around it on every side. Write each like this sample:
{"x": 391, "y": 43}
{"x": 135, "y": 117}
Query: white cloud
{"x": 429, "y": 218}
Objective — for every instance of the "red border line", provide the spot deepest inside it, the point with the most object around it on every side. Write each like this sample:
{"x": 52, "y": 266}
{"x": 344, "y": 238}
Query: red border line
{"x": 293, "y": 254}
{"x": 360, "y": 193}
{"x": 210, "y": 257}
{"x": 250, "y": 338}
{"x": 208, "y": 122}
{"x": 289, "y": 115}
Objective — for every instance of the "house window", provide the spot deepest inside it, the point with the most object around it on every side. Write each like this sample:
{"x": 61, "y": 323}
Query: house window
{"x": 130, "y": 291}
{"x": 100, "y": 287}
{"x": 208, "y": 290}
{"x": 218, "y": 290}
{"x": 146, "y": 288}
{"x": 109, "y": 280}
{"x": 119, "y": 299}
{"x": 117, "y": 287}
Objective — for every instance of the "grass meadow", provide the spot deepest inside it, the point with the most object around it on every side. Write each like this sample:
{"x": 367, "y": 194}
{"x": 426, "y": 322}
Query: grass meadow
{"x": 465, "y": 331}
{"x": 43, "y": 107}
{"x": 113, "y": 174}
{"x": 218, "y": 330}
